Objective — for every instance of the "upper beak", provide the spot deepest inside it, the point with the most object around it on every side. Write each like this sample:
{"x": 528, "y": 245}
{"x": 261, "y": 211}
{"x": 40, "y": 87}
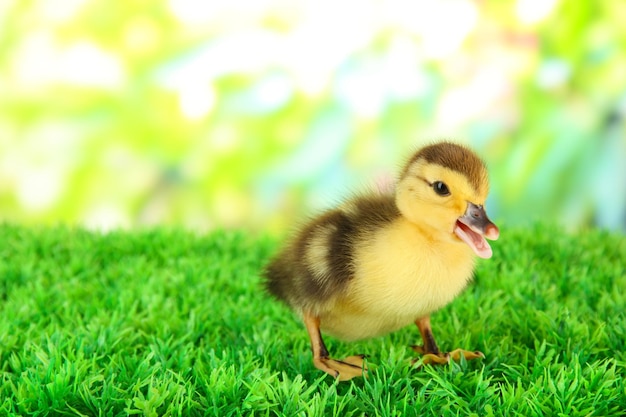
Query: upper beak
{"x": 476, "y": 219}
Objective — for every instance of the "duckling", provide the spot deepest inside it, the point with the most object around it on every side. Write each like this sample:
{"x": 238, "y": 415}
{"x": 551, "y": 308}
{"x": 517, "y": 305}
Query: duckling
{"x": 383, "y": 261}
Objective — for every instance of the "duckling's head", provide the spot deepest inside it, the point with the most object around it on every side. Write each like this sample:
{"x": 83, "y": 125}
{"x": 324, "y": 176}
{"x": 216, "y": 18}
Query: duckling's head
{"x": 443, "y": 188}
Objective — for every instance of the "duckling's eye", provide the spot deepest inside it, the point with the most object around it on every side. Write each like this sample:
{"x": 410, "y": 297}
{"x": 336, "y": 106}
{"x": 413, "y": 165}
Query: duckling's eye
{"x": 441, "y": 188}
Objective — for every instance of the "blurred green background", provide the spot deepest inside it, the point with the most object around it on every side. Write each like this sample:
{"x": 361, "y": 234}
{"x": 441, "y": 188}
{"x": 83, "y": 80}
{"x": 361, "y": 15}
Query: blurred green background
{"x": 252, "y": 113}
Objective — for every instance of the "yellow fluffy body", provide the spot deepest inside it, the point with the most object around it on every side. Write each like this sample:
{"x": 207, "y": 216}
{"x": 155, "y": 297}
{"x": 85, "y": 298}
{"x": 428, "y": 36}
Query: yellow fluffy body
{"x": 401, "y": 276}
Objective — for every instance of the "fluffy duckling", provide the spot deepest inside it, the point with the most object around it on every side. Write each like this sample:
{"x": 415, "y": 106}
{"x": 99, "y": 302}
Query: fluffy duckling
{"x": 380, "y": 262}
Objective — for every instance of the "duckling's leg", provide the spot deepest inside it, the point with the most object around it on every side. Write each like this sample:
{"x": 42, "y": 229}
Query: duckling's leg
{"x": 430, "y": 350}
{"x": 345, "y": 369}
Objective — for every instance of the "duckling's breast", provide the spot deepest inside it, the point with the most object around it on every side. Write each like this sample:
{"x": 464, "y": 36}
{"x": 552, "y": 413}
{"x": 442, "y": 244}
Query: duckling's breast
{"x": 401, "y": 274}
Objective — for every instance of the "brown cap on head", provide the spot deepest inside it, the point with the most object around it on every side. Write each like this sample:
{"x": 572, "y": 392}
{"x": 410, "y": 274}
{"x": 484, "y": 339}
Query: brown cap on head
{"x": 455, "y": 157}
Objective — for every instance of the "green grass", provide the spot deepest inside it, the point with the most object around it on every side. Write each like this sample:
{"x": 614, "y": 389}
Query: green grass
{"x": 169, "y": 323}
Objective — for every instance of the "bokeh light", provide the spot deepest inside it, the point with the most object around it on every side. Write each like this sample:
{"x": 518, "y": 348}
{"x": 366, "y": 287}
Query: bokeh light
{"x": 254, "y": 113}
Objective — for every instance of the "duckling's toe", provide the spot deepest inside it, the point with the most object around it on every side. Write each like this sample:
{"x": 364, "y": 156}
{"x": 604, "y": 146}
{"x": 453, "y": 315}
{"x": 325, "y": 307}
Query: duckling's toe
{"x": 344, "y": 370}
{"x": 356, "y": 360}
{"x": 419, "y": 349}
{"x": 467, "y": 354}
{"x": 443, "y": 358}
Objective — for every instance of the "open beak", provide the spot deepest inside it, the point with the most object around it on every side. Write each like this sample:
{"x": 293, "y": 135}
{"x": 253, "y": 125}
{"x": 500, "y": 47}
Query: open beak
{"x": 473, "y": 227}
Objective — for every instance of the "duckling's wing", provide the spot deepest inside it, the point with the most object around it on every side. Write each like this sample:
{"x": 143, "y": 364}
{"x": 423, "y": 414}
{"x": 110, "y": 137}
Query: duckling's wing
{"x": 318, "y": 264}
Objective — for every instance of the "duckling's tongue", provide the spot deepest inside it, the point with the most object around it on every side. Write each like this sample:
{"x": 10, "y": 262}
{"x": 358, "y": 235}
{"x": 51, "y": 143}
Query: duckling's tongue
{"x": 475, "y": 240}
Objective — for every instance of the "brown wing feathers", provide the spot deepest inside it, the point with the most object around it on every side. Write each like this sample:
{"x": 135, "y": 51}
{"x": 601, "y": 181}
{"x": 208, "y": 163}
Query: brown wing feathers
{"x": 316, "y": 264}
{"x": 319, "y": 262}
